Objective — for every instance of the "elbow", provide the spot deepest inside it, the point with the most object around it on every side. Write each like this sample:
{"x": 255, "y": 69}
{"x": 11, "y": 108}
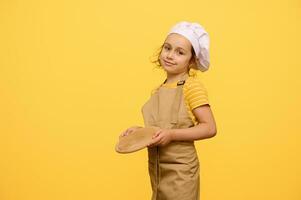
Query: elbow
{"x": 212, "y": 132}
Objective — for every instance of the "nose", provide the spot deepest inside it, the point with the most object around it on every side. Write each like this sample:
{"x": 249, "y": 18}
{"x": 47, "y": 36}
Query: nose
{"x": 170, "y": 55}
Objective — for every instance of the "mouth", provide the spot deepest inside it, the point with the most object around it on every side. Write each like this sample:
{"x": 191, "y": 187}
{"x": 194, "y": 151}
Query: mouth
{"x": 168, "y": 63}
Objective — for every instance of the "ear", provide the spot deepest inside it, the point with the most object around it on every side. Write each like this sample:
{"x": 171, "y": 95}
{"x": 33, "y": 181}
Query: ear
{"x": 192, "y": 63}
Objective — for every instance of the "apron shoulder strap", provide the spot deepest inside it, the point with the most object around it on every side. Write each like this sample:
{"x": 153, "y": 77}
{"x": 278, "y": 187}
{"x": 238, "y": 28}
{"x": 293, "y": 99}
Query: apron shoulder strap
{"x": 177, "y": 102}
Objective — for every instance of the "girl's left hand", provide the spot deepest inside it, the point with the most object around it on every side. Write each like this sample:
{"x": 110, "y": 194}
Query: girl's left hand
{"x": 162, "y": 137}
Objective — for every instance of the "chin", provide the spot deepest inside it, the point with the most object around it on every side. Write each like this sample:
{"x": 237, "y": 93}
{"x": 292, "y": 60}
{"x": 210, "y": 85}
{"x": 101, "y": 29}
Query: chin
{"x": 167, "y": 68}
{"x": 170, "y": 71}
{"x": 170, "y": 68}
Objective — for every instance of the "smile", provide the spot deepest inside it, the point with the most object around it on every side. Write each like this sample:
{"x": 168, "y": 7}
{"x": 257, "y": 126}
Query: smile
{"x": 168, "y": 63}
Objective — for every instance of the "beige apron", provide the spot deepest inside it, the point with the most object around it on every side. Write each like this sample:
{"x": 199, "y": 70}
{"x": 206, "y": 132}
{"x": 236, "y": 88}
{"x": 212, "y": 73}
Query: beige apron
{"x": 174, "y": 168}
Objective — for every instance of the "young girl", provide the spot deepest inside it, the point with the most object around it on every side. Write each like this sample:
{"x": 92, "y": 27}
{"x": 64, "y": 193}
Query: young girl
{"x": 180, "y": 108}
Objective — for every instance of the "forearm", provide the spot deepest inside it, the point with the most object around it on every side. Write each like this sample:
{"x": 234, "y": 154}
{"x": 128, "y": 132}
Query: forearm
{"x": 198, "y": 132}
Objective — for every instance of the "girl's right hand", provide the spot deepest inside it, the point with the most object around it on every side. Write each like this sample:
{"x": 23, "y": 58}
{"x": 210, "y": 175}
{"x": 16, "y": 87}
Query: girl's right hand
{"x": 129, "y": 130}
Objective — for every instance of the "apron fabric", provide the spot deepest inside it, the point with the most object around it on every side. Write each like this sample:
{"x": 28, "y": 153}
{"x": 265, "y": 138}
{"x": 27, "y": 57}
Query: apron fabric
{"x": 173, "y": 168}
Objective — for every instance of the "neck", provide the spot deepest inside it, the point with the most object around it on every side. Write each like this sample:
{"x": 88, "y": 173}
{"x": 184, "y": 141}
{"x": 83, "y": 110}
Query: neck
{"x": 171, "y": 78}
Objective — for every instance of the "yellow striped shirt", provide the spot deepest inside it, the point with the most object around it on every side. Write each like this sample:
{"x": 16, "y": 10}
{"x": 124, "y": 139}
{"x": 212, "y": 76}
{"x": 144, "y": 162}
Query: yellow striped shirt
{"x": 195, "y": 94}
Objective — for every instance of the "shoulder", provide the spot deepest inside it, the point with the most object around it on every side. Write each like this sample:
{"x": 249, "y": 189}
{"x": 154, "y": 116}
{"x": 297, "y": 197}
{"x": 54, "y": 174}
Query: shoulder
{"x": 155, "y": 89}
{"x": 193, "y": 84}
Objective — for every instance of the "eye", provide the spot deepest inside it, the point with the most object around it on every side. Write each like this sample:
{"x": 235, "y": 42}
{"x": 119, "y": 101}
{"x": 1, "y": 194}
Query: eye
{"x": 166, "y": 47}
{"x": 180, "y": 52}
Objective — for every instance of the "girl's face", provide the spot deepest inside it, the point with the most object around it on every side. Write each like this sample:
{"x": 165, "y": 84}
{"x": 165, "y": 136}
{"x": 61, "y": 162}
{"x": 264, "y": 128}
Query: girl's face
{"x": 176, "y": 54}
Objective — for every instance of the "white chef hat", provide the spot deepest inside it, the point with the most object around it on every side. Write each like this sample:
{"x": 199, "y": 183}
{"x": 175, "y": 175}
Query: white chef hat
{"x": 199, "y": 40}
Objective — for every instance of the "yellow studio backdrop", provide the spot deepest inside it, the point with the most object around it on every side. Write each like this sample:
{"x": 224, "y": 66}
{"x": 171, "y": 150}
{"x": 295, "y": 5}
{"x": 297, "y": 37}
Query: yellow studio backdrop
{"x": 74, "y": 74}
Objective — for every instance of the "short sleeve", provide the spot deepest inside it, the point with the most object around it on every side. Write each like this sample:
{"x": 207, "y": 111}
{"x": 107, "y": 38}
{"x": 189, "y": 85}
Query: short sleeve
{"x": 195, "y": 94}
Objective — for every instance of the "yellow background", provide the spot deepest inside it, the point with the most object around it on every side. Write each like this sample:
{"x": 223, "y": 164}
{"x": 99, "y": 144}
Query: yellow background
{"x": 74, "y": 74}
